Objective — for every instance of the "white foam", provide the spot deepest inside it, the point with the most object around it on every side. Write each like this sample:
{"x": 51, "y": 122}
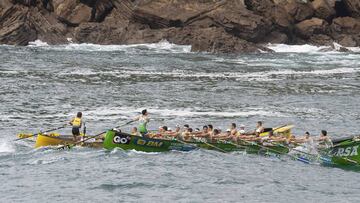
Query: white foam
{"x": 306, "y": 48}
{"x": 241, "y": 76}
{"x": 38, "y": 43}
{"x": 130, "y": 112}
{"x": 6, "y": 147}
{"x": 162, "y": 46}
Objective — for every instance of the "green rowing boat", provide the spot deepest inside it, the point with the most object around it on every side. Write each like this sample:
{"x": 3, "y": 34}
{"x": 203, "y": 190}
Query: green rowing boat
{"x": 114, "y": 139}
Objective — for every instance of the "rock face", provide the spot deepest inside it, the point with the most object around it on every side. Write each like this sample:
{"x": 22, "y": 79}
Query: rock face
{"x": 208, "y": 25}
{"x": 353, "y": 6}
{"x": 314, "y": 26}
{"x": 323, "y": 9}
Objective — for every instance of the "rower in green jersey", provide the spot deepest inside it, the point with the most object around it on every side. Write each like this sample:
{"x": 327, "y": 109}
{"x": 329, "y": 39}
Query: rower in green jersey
{"x": 143, "y": 121}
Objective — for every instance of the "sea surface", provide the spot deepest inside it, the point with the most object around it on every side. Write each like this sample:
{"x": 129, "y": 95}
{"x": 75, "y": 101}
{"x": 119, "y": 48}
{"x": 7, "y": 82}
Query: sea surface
{"x": 43, "y": 87}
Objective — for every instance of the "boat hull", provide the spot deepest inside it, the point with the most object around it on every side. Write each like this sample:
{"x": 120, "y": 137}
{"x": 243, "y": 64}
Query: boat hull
{"x": 46, "y": 140}
{"x": 125, "y": 141}
{"x": 345, "y": 153}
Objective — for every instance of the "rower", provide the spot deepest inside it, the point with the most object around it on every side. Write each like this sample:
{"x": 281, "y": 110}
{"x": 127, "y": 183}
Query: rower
{"x": 259, "y": 128}
{"x": 187, "y": 134}
{"x": 76, "y": 125}
{"x": 143, "y": 121}
{"x": 210, "y": 129}
{"x": 174, "y": 133}
{"x": 233, "y": 129}
{"x": 242, "y": 130}
{"x": 134, "y": 131}
{"x": 324, "y": 140}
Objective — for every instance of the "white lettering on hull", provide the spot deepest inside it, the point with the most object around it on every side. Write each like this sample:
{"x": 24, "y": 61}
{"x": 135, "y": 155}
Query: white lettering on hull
{"x": 348, "y": 151}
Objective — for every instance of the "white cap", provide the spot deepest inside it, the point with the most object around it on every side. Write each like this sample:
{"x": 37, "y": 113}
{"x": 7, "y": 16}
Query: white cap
{"x": 228, "y": 130}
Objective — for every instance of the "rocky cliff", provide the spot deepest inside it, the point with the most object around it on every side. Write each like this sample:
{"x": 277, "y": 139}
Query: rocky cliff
{"x": 208, "y": 25}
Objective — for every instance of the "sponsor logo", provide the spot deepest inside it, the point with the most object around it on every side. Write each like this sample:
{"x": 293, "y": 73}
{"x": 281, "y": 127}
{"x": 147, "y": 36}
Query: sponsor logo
{"x": 121, "y": 139}
{"x": 150, "y": 143}
{"x": 347, "y": 151}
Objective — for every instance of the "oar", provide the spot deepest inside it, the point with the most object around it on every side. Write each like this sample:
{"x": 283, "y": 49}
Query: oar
{"x": 273, "y": 150}
{"x": 215, "y": 147}
{"x": 68, "y": 146}
{"x": 318, "y": 156}
{"x": 32, "y": 135}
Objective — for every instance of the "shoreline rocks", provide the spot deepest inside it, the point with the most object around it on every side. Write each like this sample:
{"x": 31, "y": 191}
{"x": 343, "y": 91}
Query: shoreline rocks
{"x": 218, "y": 26}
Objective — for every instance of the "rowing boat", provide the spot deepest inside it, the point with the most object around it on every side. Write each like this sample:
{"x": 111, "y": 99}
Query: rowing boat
{"x": 114, "y": 139}
{"x": 53, "y": 139}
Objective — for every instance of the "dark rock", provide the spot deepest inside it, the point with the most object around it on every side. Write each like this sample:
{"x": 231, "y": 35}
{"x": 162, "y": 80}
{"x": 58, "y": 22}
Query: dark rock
{"x": 267, "y": 8}
{"x": 20, "y": 25}
{"x": 321, "y": 40}
{"x": 98, "y": 34}
{"x": 276, "y": 38}
{"x": 14, "y": 27}
{"x": 298, "y": 10}
{"x": 240, "y": 22}
{"x": 25, "y": 2}
{"x": 353, "y": 7}
{"x": 345, "y": 25}
{"x": 72, "y": 13}
{"x": 347, "y": 41}
{"x": 323, "y": 9}
{"x": 224, "y": 26}
{"x": 307, "y": 28}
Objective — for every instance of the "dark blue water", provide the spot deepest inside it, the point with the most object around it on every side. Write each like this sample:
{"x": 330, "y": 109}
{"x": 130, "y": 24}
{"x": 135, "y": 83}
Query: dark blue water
{"x": 42, "y": 87}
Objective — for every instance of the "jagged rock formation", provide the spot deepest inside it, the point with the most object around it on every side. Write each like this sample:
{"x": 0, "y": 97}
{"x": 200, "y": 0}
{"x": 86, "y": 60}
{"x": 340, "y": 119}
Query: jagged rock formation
{"x": 207, "y": 25}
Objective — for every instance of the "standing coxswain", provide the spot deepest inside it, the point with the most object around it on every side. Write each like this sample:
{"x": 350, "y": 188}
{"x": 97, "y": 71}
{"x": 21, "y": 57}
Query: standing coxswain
{"x": 76, "y": 124}
{"x": 143, "y": 121}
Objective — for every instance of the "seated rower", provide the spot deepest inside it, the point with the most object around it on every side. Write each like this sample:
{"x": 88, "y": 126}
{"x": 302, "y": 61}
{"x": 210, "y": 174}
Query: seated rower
{"x": 259, "y": 128}
{"x": 233, "y": 129}
{"x": 223, "y": 136}
{"x": 242, "y": 130}
{"x": 134, "y": 131}
{"x": 210, "y": 129}
{"x": 202, "y": 133}
{"x": 272, "y": 138}
{"x": 187, "y": 135}
{"x": 324, "y": 140}
{"x": 175, "y": 133}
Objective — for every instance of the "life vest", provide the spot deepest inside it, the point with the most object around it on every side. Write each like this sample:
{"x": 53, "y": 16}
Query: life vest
{"x": 76, "y": 122}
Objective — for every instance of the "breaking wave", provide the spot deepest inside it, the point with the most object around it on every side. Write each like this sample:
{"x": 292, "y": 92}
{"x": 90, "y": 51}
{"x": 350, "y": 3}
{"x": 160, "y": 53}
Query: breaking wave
{"x": 162, "y": 46}
{"x": 306, "y": 48}
{"x": 243, "y": 76}
{"x": 129, "y": 112}
{"x": 6, "y": 147}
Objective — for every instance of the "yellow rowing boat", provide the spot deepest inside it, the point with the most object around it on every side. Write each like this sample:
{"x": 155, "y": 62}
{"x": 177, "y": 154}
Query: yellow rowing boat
{"x": 45, "y": 140}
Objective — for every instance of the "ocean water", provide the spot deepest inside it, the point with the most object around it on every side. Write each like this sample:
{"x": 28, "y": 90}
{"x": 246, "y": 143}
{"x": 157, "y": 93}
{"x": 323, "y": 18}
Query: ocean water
{"x": 43, "y": 86}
